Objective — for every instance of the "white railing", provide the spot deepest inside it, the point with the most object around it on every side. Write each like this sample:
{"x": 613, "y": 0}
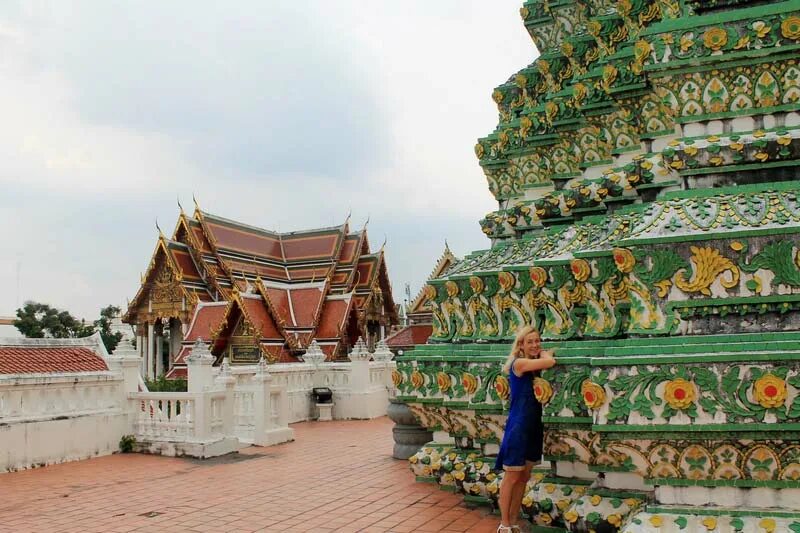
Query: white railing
{"x": 164, "y": 415}
{"x": 217, "y": 426}
{"x": 244, "y": 412}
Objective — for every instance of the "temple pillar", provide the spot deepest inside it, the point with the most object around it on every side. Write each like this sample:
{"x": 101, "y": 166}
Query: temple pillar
{"x": 151, "y": 349}
{"x": 175, "y": 339}
{"x": 140, "y": 348}
{"x": 159, "y": 355}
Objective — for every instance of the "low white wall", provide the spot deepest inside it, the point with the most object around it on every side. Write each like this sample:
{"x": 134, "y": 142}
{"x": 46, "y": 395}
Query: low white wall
{"x": 366, "y": 399}
{"x": 54, "y": 418}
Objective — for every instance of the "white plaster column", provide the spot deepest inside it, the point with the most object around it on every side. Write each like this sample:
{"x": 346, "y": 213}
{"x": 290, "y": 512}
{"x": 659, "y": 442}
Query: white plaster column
{"x": 140, "y": 350}
{"x": 359, "y": 367}
{"x": 159, "y": 355}
{"x": 266, "y": 431}
{"x": 226, "y": 382}
{"x": 198, "y": 364}
{"x": 126, "y": 360}
{"x": 316, "y": 357}
{"x": 151, "y": 349}
{"x": 384, "y": 356}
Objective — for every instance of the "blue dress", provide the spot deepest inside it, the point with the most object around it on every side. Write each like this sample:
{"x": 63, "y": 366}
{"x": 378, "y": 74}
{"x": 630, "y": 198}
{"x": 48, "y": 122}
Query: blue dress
{"x": 524, "y": 433}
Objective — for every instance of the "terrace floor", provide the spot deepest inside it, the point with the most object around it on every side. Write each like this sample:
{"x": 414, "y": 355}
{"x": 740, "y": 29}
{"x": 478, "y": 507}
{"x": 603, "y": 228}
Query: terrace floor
{"x": 337, "y": 476}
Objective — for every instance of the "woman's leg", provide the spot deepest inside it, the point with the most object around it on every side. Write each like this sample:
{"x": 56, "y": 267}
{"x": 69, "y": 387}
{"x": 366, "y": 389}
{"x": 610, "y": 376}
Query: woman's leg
{"x": 506, "y": 494}
{"x": 518, "y": 493}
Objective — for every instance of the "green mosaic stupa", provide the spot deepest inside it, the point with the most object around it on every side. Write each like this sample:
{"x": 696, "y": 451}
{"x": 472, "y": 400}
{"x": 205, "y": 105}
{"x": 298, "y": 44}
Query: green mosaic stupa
{"x": 646, "y": 171}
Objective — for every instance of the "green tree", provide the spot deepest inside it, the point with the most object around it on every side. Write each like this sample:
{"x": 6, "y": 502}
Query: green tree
{"x": 103, "y": 325}
{"x": 39, "y": 320}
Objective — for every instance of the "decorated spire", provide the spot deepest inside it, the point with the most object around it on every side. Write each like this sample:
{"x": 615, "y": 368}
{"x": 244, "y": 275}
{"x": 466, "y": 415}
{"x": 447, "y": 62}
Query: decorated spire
{"x": 200, "y": 352}
{"x": 314, "y": 354}
{"x": 359, "y": 351}
{"x": 382, "y": 352}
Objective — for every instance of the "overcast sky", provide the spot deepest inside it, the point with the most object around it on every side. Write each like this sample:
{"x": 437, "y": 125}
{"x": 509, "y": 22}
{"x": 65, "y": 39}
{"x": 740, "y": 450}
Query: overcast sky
{"x": 281, "y": 114}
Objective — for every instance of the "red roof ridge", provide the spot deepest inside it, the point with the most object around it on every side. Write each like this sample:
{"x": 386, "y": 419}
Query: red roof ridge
{"x": 272, "y": 284}
{"x": 246, "y": 315}
{"x": 262, "y": 289}
{"x": 271, "y": 233}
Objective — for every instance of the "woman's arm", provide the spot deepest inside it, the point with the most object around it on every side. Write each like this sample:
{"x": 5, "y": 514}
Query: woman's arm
{"x": 531, "y": 365}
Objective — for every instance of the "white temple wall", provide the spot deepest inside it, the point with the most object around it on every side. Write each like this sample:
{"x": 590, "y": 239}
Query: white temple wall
{"x": 54, "y": 418}
{"x": 365, "y": 400}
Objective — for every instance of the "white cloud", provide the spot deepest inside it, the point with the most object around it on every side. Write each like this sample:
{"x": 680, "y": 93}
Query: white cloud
{"x": 286, "y": 117}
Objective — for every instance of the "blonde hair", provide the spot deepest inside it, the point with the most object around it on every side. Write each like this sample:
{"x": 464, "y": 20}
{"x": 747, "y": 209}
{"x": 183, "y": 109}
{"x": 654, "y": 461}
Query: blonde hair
{"x": 516, "y": 348}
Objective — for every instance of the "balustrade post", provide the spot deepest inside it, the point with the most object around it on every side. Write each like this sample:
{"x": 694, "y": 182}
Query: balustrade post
{"x": 202, "y": 415}
{"x": 268, "y": 432}
{"x": 126, "y": 360}
{"x": 316, "y": 357}
{"x": 359, "y": 367}
{"x": 199, "y": 363}
{"x": 227, "y": 382}
{"x": 261, "y": 398}
{"x": 384, "y": 356}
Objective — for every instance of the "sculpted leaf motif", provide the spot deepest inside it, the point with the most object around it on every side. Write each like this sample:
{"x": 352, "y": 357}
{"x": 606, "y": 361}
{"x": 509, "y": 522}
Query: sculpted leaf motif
{"x": 708, "y": 263}
{"x": 664, "y": 265}
{"x": 776, "y": 257}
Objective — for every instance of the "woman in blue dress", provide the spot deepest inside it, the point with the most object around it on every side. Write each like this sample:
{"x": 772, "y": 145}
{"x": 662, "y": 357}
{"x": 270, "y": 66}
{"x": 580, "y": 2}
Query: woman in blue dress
{"x": 522, "y": 439}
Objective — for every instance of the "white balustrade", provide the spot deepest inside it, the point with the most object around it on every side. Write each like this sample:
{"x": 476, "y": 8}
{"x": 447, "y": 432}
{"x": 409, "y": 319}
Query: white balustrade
{"x": 251, "y": 404}
{"x": 166, "y": 416}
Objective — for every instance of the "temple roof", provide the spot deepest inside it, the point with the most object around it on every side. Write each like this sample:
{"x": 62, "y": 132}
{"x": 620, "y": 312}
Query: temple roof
{"x": 52, "y": 356}
{"x": 410, "y": 336}
{"x": 289, "y": 288}
{"x": 209, "y": 258}
{"x": 420, "y": 303}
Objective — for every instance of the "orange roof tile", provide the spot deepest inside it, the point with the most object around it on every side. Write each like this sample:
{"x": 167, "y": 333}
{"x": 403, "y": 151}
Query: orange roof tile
{"x": 178, "y": 372}
{"x": 207, "y": 318}
{"x": 334, "y": 318}
{"x": 410, "y": 336}
{"x": 242, "y": 239}
{"x": 302, "y": 247}
{"x": 256, "y": 310}
{"x": 185, "y": 263}
{"x": 49, "y": 360}
{"x": 306, "y": 304}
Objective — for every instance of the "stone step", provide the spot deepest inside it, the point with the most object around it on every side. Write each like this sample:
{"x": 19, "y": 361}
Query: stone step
{"x": 682, "y": 519}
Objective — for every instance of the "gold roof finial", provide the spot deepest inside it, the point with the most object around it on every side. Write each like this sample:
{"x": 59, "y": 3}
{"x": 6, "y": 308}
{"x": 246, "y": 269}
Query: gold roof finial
{"x": 179, "y": 205}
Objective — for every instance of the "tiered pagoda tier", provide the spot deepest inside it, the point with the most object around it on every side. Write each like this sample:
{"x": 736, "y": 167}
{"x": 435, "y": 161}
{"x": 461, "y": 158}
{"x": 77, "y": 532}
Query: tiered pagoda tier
{"x": 645, "y": 167}
{"x": 253, "y": 292}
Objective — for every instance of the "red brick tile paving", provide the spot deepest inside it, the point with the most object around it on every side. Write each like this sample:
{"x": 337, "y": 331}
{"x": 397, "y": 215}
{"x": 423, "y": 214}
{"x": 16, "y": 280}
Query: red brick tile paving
{"x": 337, "y": 476}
